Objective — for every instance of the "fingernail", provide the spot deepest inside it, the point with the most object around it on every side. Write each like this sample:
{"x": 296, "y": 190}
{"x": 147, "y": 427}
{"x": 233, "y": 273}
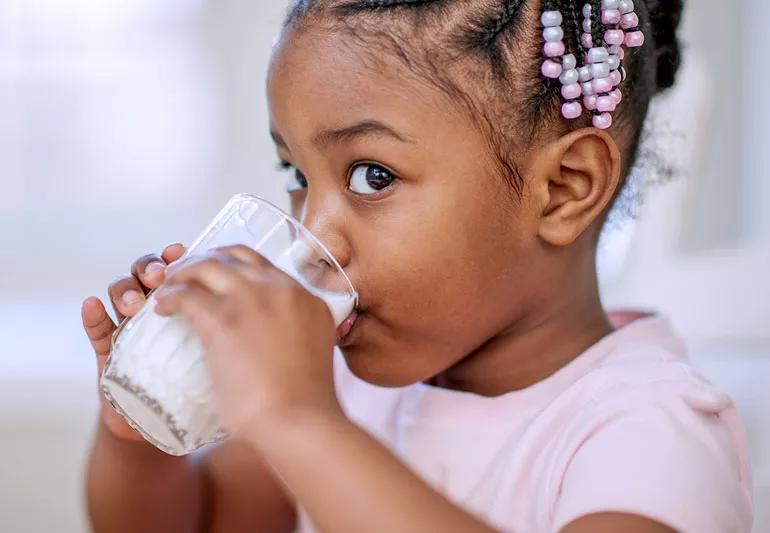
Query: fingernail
{"x": 154, "y": 268}
{"x": 131, "y": 297}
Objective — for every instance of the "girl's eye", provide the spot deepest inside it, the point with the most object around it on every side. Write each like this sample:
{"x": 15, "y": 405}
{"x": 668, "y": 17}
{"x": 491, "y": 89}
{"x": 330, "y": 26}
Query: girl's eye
{"x": 370, "y": 179}
{"x": 296, "y": 180}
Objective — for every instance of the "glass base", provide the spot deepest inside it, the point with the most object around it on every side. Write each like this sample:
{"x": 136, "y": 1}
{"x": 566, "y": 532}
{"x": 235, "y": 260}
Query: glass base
{"x": 145, "y": 415}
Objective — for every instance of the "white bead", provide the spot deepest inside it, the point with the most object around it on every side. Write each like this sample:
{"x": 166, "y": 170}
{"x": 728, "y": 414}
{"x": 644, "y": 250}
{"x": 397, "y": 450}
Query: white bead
{"x": 587, "y": 25}
{"x": 584, "y": 73}
{"x": 614, "y": 49}
{"x": 568, "y": 62}
{"x": 551, "y": 19}
{"x": 553, "y": 35}
{"x": 626, "y": 6}
{"x": 610, "y": 4}
{"x": 600, "y": 70}
{"x": 614, "y": 62}
{"x": 588, "y": 88}
{"x": 568, "y": 77}
{"x": 587, "y": 10}
{"x": 598, "y": 54}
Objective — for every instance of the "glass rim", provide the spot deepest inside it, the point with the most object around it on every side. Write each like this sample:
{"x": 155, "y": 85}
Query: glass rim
{"x": 296, "y": 224}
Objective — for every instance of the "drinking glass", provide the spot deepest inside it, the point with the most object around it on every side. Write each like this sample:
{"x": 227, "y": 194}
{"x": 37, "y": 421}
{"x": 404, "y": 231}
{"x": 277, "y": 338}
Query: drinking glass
{"x": 156, "y": 375}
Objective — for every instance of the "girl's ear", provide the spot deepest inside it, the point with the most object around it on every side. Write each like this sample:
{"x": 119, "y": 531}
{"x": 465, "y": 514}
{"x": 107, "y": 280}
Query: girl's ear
{"x": 574, "y": 179}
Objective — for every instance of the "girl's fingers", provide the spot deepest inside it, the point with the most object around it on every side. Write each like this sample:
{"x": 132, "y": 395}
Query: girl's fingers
{"x": 173, "y": 252}
{"x": 246, "y": 255}
{"x": 195, "y": 303}
{"x": 127, "y": 296}
{"x": 149, "y": 270}
{"x": 215, "y": 272}
{"x": 98, "y": 325}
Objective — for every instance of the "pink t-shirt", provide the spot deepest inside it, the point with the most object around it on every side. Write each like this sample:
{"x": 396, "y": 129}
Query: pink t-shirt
{"x": 628, "y": 426}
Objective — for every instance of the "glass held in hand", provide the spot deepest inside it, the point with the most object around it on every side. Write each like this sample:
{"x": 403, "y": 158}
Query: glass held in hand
{"x": 156, "y": 375}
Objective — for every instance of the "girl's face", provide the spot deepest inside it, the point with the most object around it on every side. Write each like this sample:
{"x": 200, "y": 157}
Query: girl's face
{"x": 401, "y": 188}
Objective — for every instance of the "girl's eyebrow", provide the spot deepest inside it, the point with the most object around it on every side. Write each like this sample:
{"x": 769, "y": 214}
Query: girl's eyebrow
{"x": 348, "y": 133}
{"x": 359, "y": 129}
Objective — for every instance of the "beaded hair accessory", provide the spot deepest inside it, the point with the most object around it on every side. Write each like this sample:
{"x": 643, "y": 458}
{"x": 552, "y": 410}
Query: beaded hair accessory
{"x": 600, "y": 71}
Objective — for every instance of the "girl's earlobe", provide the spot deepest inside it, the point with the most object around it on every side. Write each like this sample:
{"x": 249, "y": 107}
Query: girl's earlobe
{"x": 578, "y": 177}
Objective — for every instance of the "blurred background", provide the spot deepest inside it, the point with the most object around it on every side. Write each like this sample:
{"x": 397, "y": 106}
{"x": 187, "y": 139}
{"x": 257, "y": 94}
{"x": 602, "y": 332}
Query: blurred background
{"x": 125, "y": 125}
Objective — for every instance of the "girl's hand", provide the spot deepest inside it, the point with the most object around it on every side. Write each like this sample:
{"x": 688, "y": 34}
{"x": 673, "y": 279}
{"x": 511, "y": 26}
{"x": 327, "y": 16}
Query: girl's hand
{"x": 127, "y": 294}
{"x": 269, "y": 341}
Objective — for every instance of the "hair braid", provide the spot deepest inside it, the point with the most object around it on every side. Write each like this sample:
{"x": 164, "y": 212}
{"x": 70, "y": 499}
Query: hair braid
{"x": 597, "y": 27}
{"x": 573, "y": 30}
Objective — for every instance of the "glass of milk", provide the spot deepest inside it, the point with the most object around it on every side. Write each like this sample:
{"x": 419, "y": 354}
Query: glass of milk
{"x": 156, "y": 375}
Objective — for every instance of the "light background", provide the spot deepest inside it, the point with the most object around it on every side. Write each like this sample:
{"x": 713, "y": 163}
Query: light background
{"x": 125, "y": 125}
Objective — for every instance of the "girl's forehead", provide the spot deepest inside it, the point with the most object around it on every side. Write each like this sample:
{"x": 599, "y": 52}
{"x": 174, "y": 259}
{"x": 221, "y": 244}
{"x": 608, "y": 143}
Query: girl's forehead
{"x": 320, "y": 80}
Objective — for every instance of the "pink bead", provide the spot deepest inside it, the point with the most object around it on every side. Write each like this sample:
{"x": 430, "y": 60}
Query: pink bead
{"x": 603, "y": 121}
{"x": 614, "y": 36}
{"x": 602, "y": 85}
{"x": 605, "y": 103}
{"x": 590, "y": 102}
{"x": 551, "y": 69}
{"x": 621, "y": 54}
{"x": 554, "y": 49}
{"x": 629, "y": 20}
{"x": 586, "y": 41}
{"x": 616, "y": 78}
{"x": 571, "y": 91}
{"x": 617, "y": 95}
{"x": 634, "y": 39}
{"x": 610, "y": 16}
{"x": 571, "y": 110}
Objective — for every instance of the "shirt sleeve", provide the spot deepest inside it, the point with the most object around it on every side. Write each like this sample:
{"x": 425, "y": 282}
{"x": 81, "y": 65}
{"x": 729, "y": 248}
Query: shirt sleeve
{"x": 677, "y": 458}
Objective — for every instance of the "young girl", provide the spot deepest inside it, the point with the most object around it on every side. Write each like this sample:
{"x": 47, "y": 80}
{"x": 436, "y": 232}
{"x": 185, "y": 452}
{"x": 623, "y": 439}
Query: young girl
{"x": 459, "y": 158}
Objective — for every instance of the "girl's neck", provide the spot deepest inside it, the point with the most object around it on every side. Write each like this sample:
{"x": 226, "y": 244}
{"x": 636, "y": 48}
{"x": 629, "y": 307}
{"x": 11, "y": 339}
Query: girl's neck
{"x": 528, "y": 352}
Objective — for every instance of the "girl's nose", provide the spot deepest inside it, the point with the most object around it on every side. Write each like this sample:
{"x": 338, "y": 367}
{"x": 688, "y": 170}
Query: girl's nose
{"x": 327, "y": 224}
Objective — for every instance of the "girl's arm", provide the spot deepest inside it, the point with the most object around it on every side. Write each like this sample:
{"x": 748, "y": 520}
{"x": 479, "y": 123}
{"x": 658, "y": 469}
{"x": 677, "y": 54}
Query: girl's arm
{"x": 349, "y": 482}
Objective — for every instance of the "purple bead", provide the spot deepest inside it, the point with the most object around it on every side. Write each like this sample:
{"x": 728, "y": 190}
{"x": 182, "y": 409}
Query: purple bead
{"x": 616, "y": 78}
{"x": 614, "y": 36}
{"x": 626, "y": 6}
{"x": 590, "y": 102}
{"x": 600, "y": 70}
{"x": 553, "y": 35}
{"x": 586, "y": 41}
{"x": 551, "y": 69}
{"x": 568, "y": 77}
{"x": 598, "y": 54}
{"x": 587, "y": 10}
{"x": 602, "y": 85}
{"x": 550, "y": 19}
{"x": 610, "y": 16}
{"x": 629, "y": 20}
{"x": 571, "y": 91}
{"x": 554, "y": 49}
{"x": 571, "y": 110}
{"x": 605, "y": 104}
{"x": 617, "y": 95}
{"x": 634, "y": 39}
{"x": 602, "y": 121}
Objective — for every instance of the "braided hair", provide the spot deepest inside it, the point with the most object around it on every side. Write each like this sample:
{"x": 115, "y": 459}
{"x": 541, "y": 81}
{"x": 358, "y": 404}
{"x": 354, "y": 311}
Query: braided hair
{"x": 485, "y": 55}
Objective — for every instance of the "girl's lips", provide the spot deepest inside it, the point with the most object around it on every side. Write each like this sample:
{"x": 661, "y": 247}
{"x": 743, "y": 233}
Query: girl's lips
{"x": 347, "y": 324}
